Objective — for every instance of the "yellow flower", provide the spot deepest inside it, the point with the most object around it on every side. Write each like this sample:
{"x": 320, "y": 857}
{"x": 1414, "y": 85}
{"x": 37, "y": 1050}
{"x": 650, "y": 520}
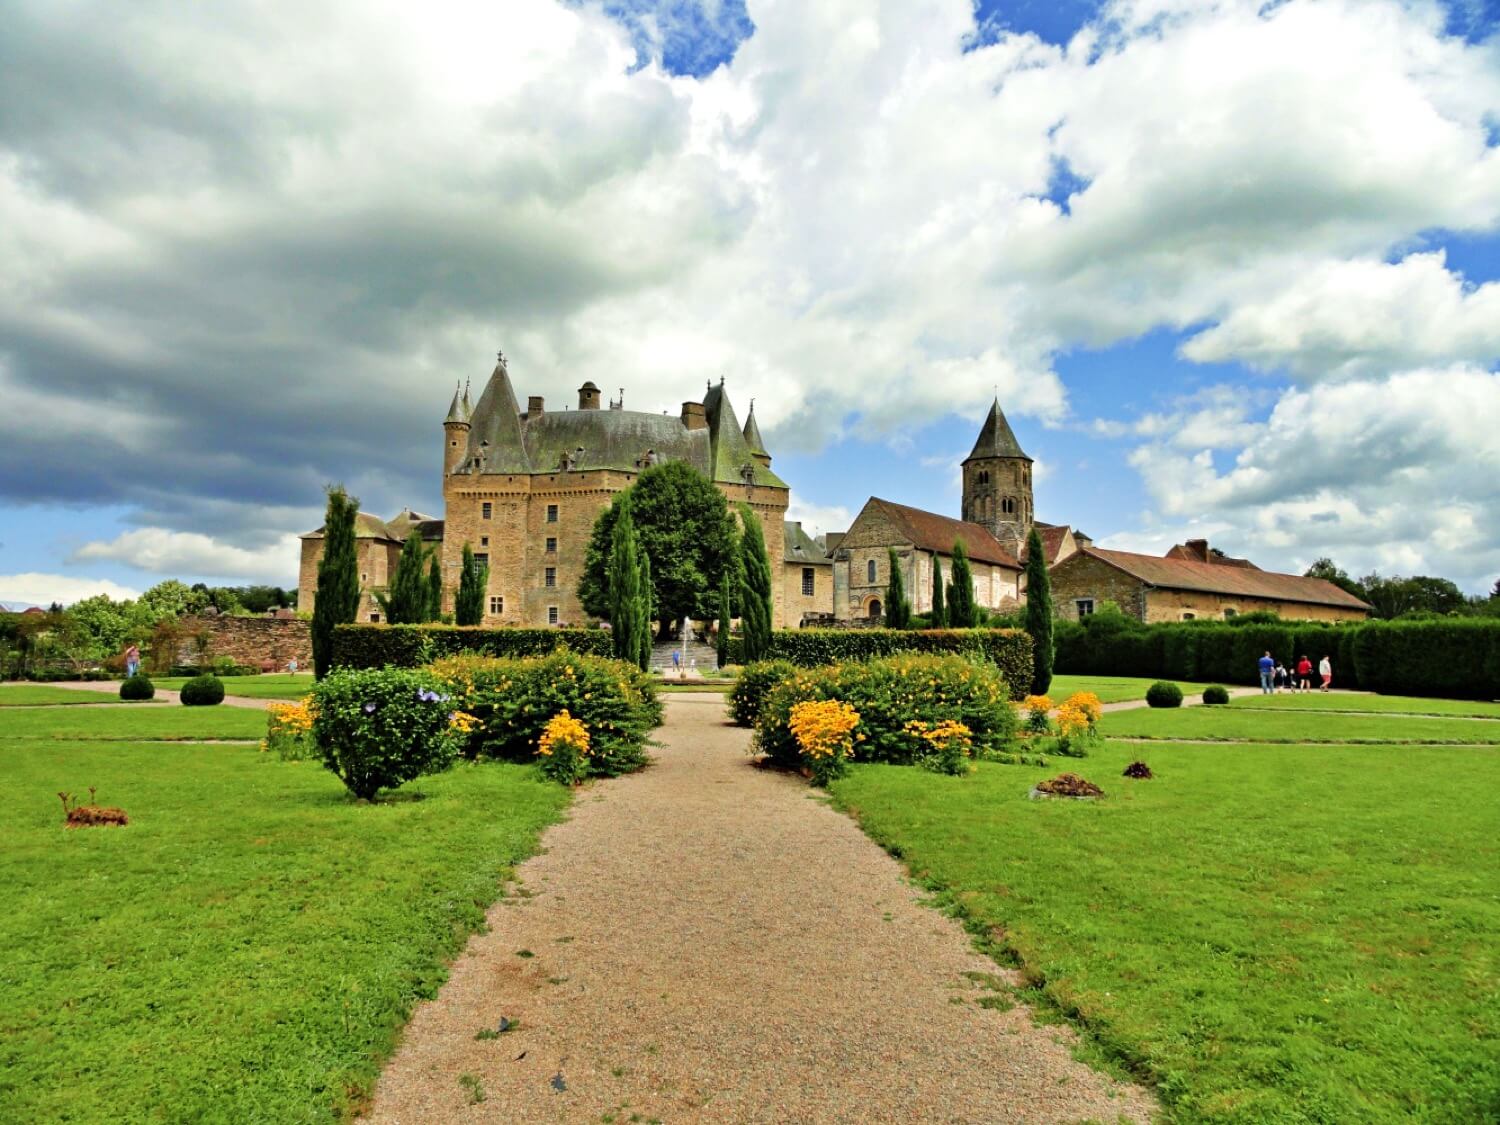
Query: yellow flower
{"x": 822, "y": 728}
{"x": 563, "y": 730}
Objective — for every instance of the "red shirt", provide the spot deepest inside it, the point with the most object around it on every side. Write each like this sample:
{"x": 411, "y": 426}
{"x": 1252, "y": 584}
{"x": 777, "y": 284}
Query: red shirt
{"x": 1304, "y": 667}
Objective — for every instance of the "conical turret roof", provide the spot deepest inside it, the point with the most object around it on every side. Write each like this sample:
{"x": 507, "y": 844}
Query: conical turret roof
{"x": 495, "y": 442}
{"x": 996, "y": 439}
{"x": 456, "y": 412}
{"x": 752, "y": 433}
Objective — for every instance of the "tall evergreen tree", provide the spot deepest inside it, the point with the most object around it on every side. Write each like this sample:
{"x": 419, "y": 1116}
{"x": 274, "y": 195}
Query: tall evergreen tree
{"x": 645, "y": 614}
{"x": 625, "y": 585}
{"x": 897, "y": 608}
{"x": 962, "y": 613}
{"x": 405, "y": 599}
{"x": 755, "y": 594}
{"x": 721, "y": 645}
{"x": 1039, "y": 614}
{"x": 468, "y": 606}
{"x": 337, "y": 600}
{"x": 939, "y": 612}
{"x": 434, "y": 607}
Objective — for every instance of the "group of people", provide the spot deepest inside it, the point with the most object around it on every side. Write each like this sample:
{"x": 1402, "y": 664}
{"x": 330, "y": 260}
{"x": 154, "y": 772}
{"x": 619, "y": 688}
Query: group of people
{"x": 1276, "y": 676}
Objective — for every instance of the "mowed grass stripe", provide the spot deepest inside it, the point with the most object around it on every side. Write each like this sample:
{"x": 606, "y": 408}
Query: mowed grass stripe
{"x": 36, "y": 695}
{"x": 1249, "y": 725}
{"x": 279, "y": 686}
{"x": 1370, "y": 704}
{"x": 169, "y": 721}
{"x": 248, "y": 947}
{"x": 1112, "y": 689}
{"x": 1272, "y": 933}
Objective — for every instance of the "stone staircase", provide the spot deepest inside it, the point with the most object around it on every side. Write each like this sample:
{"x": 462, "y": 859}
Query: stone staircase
{"x": 698, "y": 655}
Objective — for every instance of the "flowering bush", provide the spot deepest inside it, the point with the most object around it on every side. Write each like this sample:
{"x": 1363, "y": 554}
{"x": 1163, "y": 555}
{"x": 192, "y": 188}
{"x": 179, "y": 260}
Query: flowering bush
{"x": 564, "y": 749}
{"x": 944, "y": 746}
{"x": 289, "y": 730}
{"x": 379, "y": 728}
{"x": 824, "y": 729}
{"x": 1038, "y": 713}
{"x": 511, "y": 701}
{"x": 888, "y": 694}
{"x": 1078, "y": 724}
{"x": 753, "y": 685}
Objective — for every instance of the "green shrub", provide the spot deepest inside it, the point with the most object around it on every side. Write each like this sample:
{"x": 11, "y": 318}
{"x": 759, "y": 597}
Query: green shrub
{"x": 379, "y": 728}
{"x": 202, "y": 691}
{"x": 137, "y": 687}
{"x": 1163, "y": 694}
{"x": 512, "y": 702}
{"x": 414, "y": 646}
{"x": 1215, "y": 694}
{"x": 890, "y": 693}
{"x": 754, "y": 683}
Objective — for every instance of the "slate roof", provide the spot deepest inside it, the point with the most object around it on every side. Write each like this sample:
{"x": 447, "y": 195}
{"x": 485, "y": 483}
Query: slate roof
{"x": 457, "y": 411}
{"x": 403, "y": 522}
{"x": 752, "y": 434}
{"x": 366, "y": 526}
{"x": 801, "y": 547}
{"x": 996, "y": 438}
{"x": 928, "y": 531}
{"x": 1216, "y": 578}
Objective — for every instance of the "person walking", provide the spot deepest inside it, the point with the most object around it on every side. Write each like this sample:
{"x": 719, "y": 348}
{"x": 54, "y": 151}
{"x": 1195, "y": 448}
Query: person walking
{"x": 132, "y": 659}
{"x": 1267, "y": 671}
{"x": 1279, "y": 678}
{"x": 1304, "y": 674}
{"x": 1325, "y": 672}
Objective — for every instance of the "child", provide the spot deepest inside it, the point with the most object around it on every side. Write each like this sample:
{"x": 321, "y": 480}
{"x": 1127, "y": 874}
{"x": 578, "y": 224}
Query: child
{"x": 1279, "y": 676}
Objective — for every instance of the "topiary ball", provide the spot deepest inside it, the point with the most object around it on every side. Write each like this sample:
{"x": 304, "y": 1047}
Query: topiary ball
{"x": 1215, "y": 694}
{"x": 1163, "y": 694}
{"x": 137, "y": 687}
{"x": 202, "y": 691}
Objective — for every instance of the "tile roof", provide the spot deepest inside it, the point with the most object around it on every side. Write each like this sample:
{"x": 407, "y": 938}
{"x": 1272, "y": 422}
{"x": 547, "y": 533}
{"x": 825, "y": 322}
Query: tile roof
{"x": 801, "y": 547}
{"x": 1216, "y": 578}
{"x": 366, "y": 526}
{"x": 1052, "y": 536}
{"x": 929, "y": 531}
{"x": 996, "y": 438}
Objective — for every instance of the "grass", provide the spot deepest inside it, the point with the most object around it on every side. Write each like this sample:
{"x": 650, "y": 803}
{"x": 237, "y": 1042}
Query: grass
{"x": 172, "y": 721}
{"x": 1374, "y": 704}
{"x": 34, "y": 695}
{"x": 1249, "y": 725}
{"x": 280, "y": 685}
{"x": 1268, "y": 933}
{"x": 249, "y": 946}
{"x": 1112, "y": 689}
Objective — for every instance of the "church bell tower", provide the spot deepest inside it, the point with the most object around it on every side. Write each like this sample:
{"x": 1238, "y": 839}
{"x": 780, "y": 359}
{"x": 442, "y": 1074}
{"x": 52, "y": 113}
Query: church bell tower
{"x": 997, "y": 483}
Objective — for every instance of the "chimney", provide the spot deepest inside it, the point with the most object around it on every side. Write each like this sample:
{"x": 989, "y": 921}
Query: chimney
{"x": 533, "y": 406}
{"x": 693, "y": 416}
{"x": 1198, "y": 548}
{"x": 588, "y": 397}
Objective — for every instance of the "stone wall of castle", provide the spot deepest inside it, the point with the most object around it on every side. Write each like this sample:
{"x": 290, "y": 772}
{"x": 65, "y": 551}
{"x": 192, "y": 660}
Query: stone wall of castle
{"x": 249, "y": 641}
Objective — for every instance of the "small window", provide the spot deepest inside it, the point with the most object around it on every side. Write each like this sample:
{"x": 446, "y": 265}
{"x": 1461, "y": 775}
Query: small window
{"x": 486, "y": 510}
{"x": 1189, "y": 616}
{"x": 481, "y": 562}
{"x": 809, "y": 578}
{"x": 549, "y": 576}
{"x": 484, "y": 540}
{"x": 1228, "y": 613}
{"x": 870, "y": 577}
{"x": 551, "y": 513}
{"x": 497, "y": 604}
{"x": 984, "y": 476}
{"x": 364, "y": 577}
{"x": 552, "y": 544}
{"x": 375, "y": 617}
{"x": 551, "y": 615}
{"x": 1008, "y": 506}
{"x": 1085, "y": 606}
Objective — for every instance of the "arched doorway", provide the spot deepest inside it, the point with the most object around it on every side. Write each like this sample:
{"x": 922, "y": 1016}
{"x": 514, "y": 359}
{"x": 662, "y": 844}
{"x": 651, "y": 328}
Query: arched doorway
{"x": 874, "y": 608}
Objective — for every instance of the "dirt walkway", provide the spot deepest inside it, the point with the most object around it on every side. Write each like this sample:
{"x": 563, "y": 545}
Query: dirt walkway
{"x": 112, "y": 687}
{"x": 708, "y": 941}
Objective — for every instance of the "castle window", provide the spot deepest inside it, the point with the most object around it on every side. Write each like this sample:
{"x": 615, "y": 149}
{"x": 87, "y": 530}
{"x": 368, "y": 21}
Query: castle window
{"x": 375, "y": 617}
{"x": 984, "y": 476}
{"x": 870, "y": 575}
{"x": 1085, "y": 606}
{"x": 1008, "y": 505}
{"x": 486, "y": 510}
{"x": 551, "y": 615}
{"x": 809, "y": 577}
{"x": 551, "y": 513}
{"x": 1189, "y": 616}
{"x": 549, "y": 576}
{"x": 484, "y": 540}
{"x": 481, "y": 562}
{"x": 1228, "y": 613}
{"x": 551, "y": 545}
{"x": 497, "y": 604}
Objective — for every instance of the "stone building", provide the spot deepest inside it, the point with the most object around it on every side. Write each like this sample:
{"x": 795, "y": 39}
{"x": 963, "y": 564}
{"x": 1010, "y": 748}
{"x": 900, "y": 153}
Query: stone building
{"x": 806, "y": 577}
{"x": 1192, "y": 581}
{"x": 523, "y": 487}
{"x": 377, "y": 545}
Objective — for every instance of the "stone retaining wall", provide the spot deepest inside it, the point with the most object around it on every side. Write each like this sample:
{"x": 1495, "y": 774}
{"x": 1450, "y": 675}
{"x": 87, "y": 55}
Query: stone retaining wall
{"x": 251, "y": 641}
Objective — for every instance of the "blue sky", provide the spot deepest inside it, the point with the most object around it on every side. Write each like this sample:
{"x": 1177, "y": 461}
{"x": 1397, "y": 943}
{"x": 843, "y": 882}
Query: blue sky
{"x": 1233, "y": 269}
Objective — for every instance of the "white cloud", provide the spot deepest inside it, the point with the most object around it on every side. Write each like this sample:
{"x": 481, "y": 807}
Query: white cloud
{"x": 1213, "y": 418}
{"x": 819, "y": 519}
{"x": 160, "y": 551}
{"x": 33, "y": 588}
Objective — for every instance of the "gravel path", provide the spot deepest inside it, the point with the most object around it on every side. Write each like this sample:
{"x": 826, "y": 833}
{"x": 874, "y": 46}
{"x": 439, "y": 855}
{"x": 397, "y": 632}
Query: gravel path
{"x": 112, "y": 687}
{"x": 708, "y": 941}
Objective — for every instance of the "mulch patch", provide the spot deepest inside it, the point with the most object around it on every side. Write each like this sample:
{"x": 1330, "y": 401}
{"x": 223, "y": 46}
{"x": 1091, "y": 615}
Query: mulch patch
{"x": 1140, "y": 770}
{"x": 1068, "y": 785}
{"x": 93, "y": 816}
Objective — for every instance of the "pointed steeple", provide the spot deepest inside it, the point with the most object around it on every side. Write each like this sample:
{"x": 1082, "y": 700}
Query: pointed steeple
{"x": 996, "y": 439}
{"x": 730, "y": 456}
{"x": 752, "y": 434}
{"x": 495, "y": 441}
{"x": 456, "y": 412}
{"x": 468, "y": 406}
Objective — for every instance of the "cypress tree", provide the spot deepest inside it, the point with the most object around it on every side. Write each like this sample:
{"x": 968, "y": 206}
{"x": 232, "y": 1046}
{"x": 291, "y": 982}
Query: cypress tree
{"x": 897, "y": 608}
{"x": 939, "y": 611}
{"x": 645, "y": 615}
{"x": 755, "y": 594}
{"x": 337, "y": 600}
{"x": 961, "y": 610}
{"x": 405, "y": 602}
{"x": 624, "y": 575}
{"x": 468, "y": 606}
{"x": 722, "y": 640}
{"x": 1039, "y": 614}
{"x": 434, "y": 607}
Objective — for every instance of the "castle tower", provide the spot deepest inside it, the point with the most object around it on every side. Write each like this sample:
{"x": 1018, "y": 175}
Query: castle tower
{"x": 997, "y": 483}
{"x": 456, "y": 431}
{"x": 753, "y": 439}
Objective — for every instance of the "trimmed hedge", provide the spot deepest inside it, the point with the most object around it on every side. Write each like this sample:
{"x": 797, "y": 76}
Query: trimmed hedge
{"x": 1216, "y": 695}
{"x": 1455, "y": 658}
{"x": 1163, "y": 694}
{"x": 137, "y": 688}
{"x": 206, "y": 690}
{"x": 412, "y": 646}
{"x": 1007, "y": 649}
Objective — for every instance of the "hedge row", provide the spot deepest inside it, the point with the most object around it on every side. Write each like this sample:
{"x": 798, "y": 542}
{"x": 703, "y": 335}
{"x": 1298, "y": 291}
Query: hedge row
{"x": 1008, "y": 649}
{"x": 1457, "y": 658}
{"x": 411, "y": 646}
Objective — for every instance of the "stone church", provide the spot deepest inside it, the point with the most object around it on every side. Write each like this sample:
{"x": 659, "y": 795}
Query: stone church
{"x": 523, "y": 488}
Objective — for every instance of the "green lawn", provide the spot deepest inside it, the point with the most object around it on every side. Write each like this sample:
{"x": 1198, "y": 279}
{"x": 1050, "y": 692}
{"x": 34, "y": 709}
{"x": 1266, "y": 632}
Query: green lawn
{"x": 1375, "y": 704}
{"x": 1249, "y": 725}
{"x": 1269, "y": 933}
{"x": 1112, "y": 689}
{"x": 281, "y": 685}
{"x": 248, "y": 947}
{"x": 167, "y": 721}
{"x": 32, "y": 695}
